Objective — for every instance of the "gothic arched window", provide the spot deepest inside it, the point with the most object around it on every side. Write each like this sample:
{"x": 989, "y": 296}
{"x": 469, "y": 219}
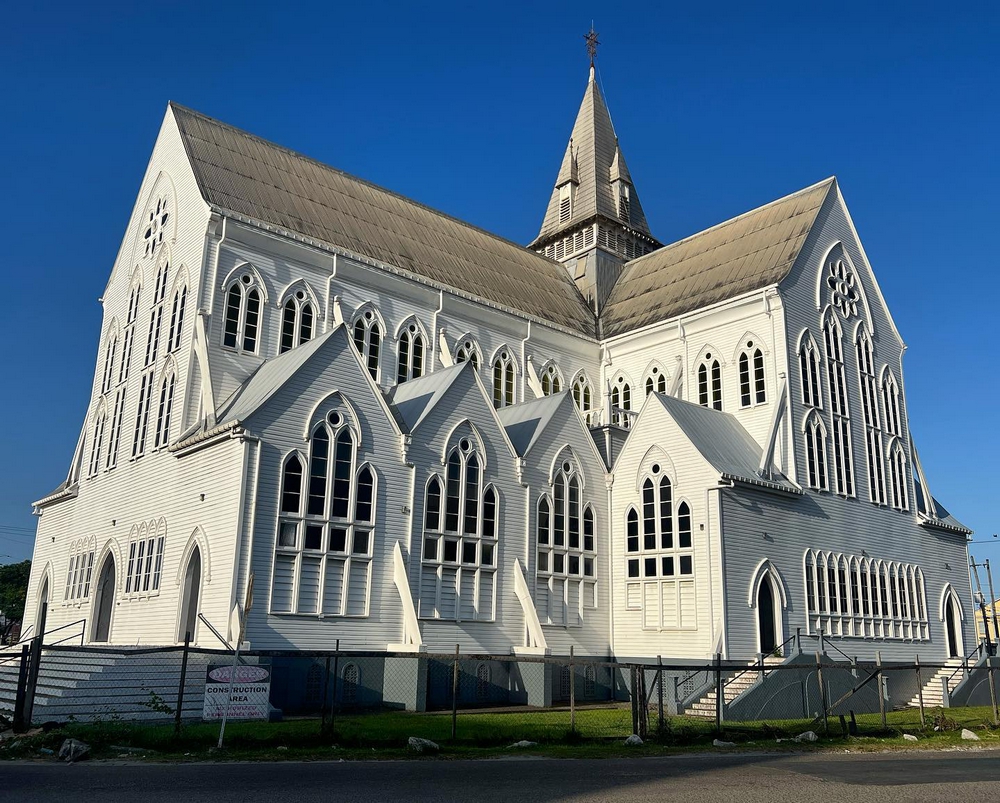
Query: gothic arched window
{"x": 468, "y": 351}
{"x": 410, "y": 356}
{"x": 503, "y": 379}
{"x": 298, "y": 321}
{"x": 657, "y": 380}
{"x": 459, "y": 556}
{"x": 873, "y": 424}
{"x": 710, "y": 383}
{"x": 97, "y": 438}
{"x": 242, "y": 314}
{"x": 621, "y": 403}
{"x": 753, "y": 390}
{"x": 812, "y": 392}
{"x": 890, "y": 403}
{"x": 176, "y": 319}
{"x": 897, "y": 474}
{"x": 815, "y": 441}
{"x": 843, "y": 454}
{"x": 325, "y": 539}
{"x": 551, "y": 381}
{"x": 156, "y": 314}
{"x": 368, "y": 340}
{"x": 165, "y": 410}
{"x": 142, "y": 415}
{"x": 129, "y": 336}
{"x": 582, "y": 396}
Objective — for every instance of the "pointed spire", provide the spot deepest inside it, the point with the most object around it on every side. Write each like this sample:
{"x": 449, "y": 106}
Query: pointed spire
{"x": 568, "y": 171}
{"x": 594, "y": 154}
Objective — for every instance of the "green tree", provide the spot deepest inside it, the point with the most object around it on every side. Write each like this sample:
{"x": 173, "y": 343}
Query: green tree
{"x": 13, "y": 590}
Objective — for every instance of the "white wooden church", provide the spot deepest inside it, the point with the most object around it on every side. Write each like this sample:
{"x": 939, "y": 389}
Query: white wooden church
{"x": 415, "y": 434}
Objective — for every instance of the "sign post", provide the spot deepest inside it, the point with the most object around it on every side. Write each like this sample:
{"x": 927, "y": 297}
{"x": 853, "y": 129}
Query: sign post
{"x": 247, "y": 605}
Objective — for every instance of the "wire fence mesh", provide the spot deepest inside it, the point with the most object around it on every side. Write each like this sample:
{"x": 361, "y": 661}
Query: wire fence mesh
{"x": 375, "y": 698}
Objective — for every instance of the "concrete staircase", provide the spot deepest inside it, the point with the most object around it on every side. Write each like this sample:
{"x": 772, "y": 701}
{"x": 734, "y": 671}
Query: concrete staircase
{"x": 733, "y": 685}
{"x": 933, "y": 689}
{"x": 90, "y": 685}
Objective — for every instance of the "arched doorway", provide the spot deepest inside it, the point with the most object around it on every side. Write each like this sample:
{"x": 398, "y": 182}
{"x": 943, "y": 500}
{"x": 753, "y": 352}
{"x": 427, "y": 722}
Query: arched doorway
{"x": 43, "y": 601}
{"x": 953, "y": 628}
{"x": 766, "y": 627}
{"x": 191, "y": 596}
{"x": 104, "y": 602}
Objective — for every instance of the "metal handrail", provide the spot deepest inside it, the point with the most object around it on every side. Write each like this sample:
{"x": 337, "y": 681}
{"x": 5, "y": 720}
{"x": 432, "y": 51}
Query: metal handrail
{"x": 25, "y": 639}
{"x": 963, "y": 667}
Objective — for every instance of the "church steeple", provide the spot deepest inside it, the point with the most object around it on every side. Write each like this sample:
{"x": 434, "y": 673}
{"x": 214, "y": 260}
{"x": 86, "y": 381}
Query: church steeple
{"x": 594, "y": 204}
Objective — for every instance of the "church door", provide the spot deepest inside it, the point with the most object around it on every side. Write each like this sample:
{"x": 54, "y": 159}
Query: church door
{"x": 953, "y": 629}
{"x": 192, "y": 595}
{"x": 765, "y": 617}
{"x": 104, "y": 605}
{"x": 43, "y": 600}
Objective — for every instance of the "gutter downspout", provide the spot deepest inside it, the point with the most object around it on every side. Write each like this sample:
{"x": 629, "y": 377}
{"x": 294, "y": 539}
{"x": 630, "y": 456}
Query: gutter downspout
{"x": 723, "y": 634}
{"x": 245, "y": 495}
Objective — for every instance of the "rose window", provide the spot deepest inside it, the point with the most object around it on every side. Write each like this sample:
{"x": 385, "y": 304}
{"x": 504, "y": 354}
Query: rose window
{"x": 843, "y": 288}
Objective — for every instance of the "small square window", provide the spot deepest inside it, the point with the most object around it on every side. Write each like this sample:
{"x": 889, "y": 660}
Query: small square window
{"x": 543, "y": 561}
{"x": 314, "y": 536}
{"x": 430, "y": 549}
{"x": 650, "y": 568}
{"x": 588, "y": 567}
{"x": 338, "y": 539}
{"x": 633, "y": 568}
{"x": 574, "y": 564}
{"x": 469, "y": 552}
{"x": 558, "y": 563}
{"x": 451, "y": 550}
{"x": 668, "y": 567}
{"x": 287, "y": 534}
{"x": 686, "y": 565}
{"x": 360, "y": 546}
{"x": 487, "y": 550}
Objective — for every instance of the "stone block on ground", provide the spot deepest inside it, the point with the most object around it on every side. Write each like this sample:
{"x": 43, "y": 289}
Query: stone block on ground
{"x": 720, "y": 743}
{"x": 909, "y": 737}
{"x": 807, "y": 736}
{"x": 524, "y": 743}
{"x": 418, "y": 745}
{"x": 634, "y": 740}
{"x": 969, "y": 736}
{"x": 74, "y": 750}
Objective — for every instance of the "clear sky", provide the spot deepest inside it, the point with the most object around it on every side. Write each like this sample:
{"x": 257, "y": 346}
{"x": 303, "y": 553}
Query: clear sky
{"x": 467, "y": 107}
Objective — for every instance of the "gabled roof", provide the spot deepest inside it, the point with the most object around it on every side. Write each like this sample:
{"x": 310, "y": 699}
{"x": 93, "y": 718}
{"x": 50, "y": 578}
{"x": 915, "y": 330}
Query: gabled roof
{"x": 269, "y": 378}
{"x": 941, "y": 519}
{"x": 723, "y": 442}
{"x": 248, "y": 177}
{"x": 592, "y": 154}
{"x": 747, "y": 253}
{"x": 525, "y": 422}
{"x": 413, "y": 400}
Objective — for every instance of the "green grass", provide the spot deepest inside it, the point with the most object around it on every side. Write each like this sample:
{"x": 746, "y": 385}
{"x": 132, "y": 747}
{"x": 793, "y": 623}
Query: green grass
{"x": 600, "y": 732}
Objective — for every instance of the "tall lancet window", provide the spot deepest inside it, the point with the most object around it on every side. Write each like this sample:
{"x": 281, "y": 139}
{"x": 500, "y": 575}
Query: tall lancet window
{"x": 242, "y": 314}
{"x": 97, "y": 438}
{"x": 873, "y": 424}
{"x": 461, "y": 527}
{"x": 897, "y": 474}
{"x": 156, "y": 314}
{"x": 368, "y": 340}
{"x": 551, "y": 381}
{"x": 165, "y": 410}
{"x": 566, "y": 550}
{"x": 753, "y": 388}
{"x": 621, "y": 403}
{"x": 325, "y": 539}
{"x": 177, "y": 319}
{"x": 890, "y": 403}
{"x": 503, "y": 379}
{"x": 468, "y": 351}
{"x": 410, "y": 356}
{"x": 815, "y": 442}
{"x": 582, "y": 396}
{"x": 298, "y": 321}
{"x": 656, "y": 381}
{"x": 843, "y": 455}
{"x": 809, "y": 374}
{"x": 624, "y": 202}
{"x": 710, "y": 383}
{"x": 129, "y": 337}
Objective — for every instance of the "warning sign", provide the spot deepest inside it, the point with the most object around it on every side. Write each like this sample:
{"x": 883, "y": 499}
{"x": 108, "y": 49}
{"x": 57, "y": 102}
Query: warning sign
{"x": 249, "y": 696}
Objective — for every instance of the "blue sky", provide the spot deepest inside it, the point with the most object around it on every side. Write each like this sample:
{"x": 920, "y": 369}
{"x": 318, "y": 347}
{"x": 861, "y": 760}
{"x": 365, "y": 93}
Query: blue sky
{"x": 720, "y": 107}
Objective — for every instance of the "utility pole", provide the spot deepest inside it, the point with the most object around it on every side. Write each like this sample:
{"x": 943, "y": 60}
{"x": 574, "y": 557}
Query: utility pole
{"x": 993, "y": 600}
{"x": 982, "y": 603}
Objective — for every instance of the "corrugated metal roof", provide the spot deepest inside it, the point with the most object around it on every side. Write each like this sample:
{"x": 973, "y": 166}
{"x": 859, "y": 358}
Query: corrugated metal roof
{"x": 243, "y": 174}
{"x": 596, "y": 152}
{"x": 722, "y": 441}
{"x": 414, "y": 399}
{"x": 746, "y": 253}
{"x": 525, "y": 422}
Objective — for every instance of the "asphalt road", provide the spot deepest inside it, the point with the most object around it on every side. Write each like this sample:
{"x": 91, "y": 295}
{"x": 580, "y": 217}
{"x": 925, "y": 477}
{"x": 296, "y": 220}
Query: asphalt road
{"x": 931, "y": 776}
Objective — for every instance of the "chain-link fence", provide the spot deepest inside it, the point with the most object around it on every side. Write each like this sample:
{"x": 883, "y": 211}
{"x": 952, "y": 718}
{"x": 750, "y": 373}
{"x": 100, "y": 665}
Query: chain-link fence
{"x": 374, "y": 698}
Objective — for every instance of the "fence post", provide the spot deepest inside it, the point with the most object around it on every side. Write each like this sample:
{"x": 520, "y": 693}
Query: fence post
{"x": 326, "y": 698}
{"x": 180, "y": 686}
{"x": 634, "y": 671}
{"x": 34, "y": 664}
{"x": 920, "y": 691}
{"x": 822, "y": 692}
{"x": 572, "y": 692}
{"x": 333, "y": 707}
{"x": 659, "y": 692}
{"x": 718, "y": 692}
{"x": 454, "y": 695}
{"x": 798, "y": 641}
{"x": 993, "y": 690}
{"x": 881, "y": 688}
{"x": 822, "y": 646}
{"x": 22, "y": 687}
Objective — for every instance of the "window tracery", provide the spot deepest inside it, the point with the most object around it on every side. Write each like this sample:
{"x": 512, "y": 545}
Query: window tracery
{"x": 843, "y": 454}
{"x": 367, "y": 332}
{"x": 503, "y": 379}
{"x": 297, "y": 321}
{"x": 582, "y": 396}
{"x": 242, "y": 315}
{"x": 621, "y": 403}
{"x": 753, "y": 388}
{"x": 710, "y": 382}
{"x": 551, "y": 380}
{"x": 410, "y": 357}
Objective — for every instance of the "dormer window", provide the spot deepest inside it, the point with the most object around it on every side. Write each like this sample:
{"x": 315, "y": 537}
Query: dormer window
{"x": 624, "y": 209}
{"x": 565, "y": 202}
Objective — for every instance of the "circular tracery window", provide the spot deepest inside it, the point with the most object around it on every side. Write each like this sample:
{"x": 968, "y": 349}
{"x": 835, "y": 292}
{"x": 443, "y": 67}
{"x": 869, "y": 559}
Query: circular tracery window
{"x": 843, "y": 286}
{"x": 155, "y": 226}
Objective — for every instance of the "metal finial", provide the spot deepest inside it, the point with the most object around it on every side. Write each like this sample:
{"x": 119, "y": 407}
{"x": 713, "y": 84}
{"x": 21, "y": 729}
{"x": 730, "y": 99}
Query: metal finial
{"x": 592, "y": 43}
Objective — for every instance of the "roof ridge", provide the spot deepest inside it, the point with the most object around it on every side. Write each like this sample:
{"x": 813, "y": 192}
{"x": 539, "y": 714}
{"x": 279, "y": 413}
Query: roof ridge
{"x": 659, "y": 251}
{"x": 378, "y": 187}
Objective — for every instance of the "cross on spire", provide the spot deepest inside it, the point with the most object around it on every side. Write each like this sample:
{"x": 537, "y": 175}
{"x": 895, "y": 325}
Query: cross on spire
{"x": 592, "y": 43}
